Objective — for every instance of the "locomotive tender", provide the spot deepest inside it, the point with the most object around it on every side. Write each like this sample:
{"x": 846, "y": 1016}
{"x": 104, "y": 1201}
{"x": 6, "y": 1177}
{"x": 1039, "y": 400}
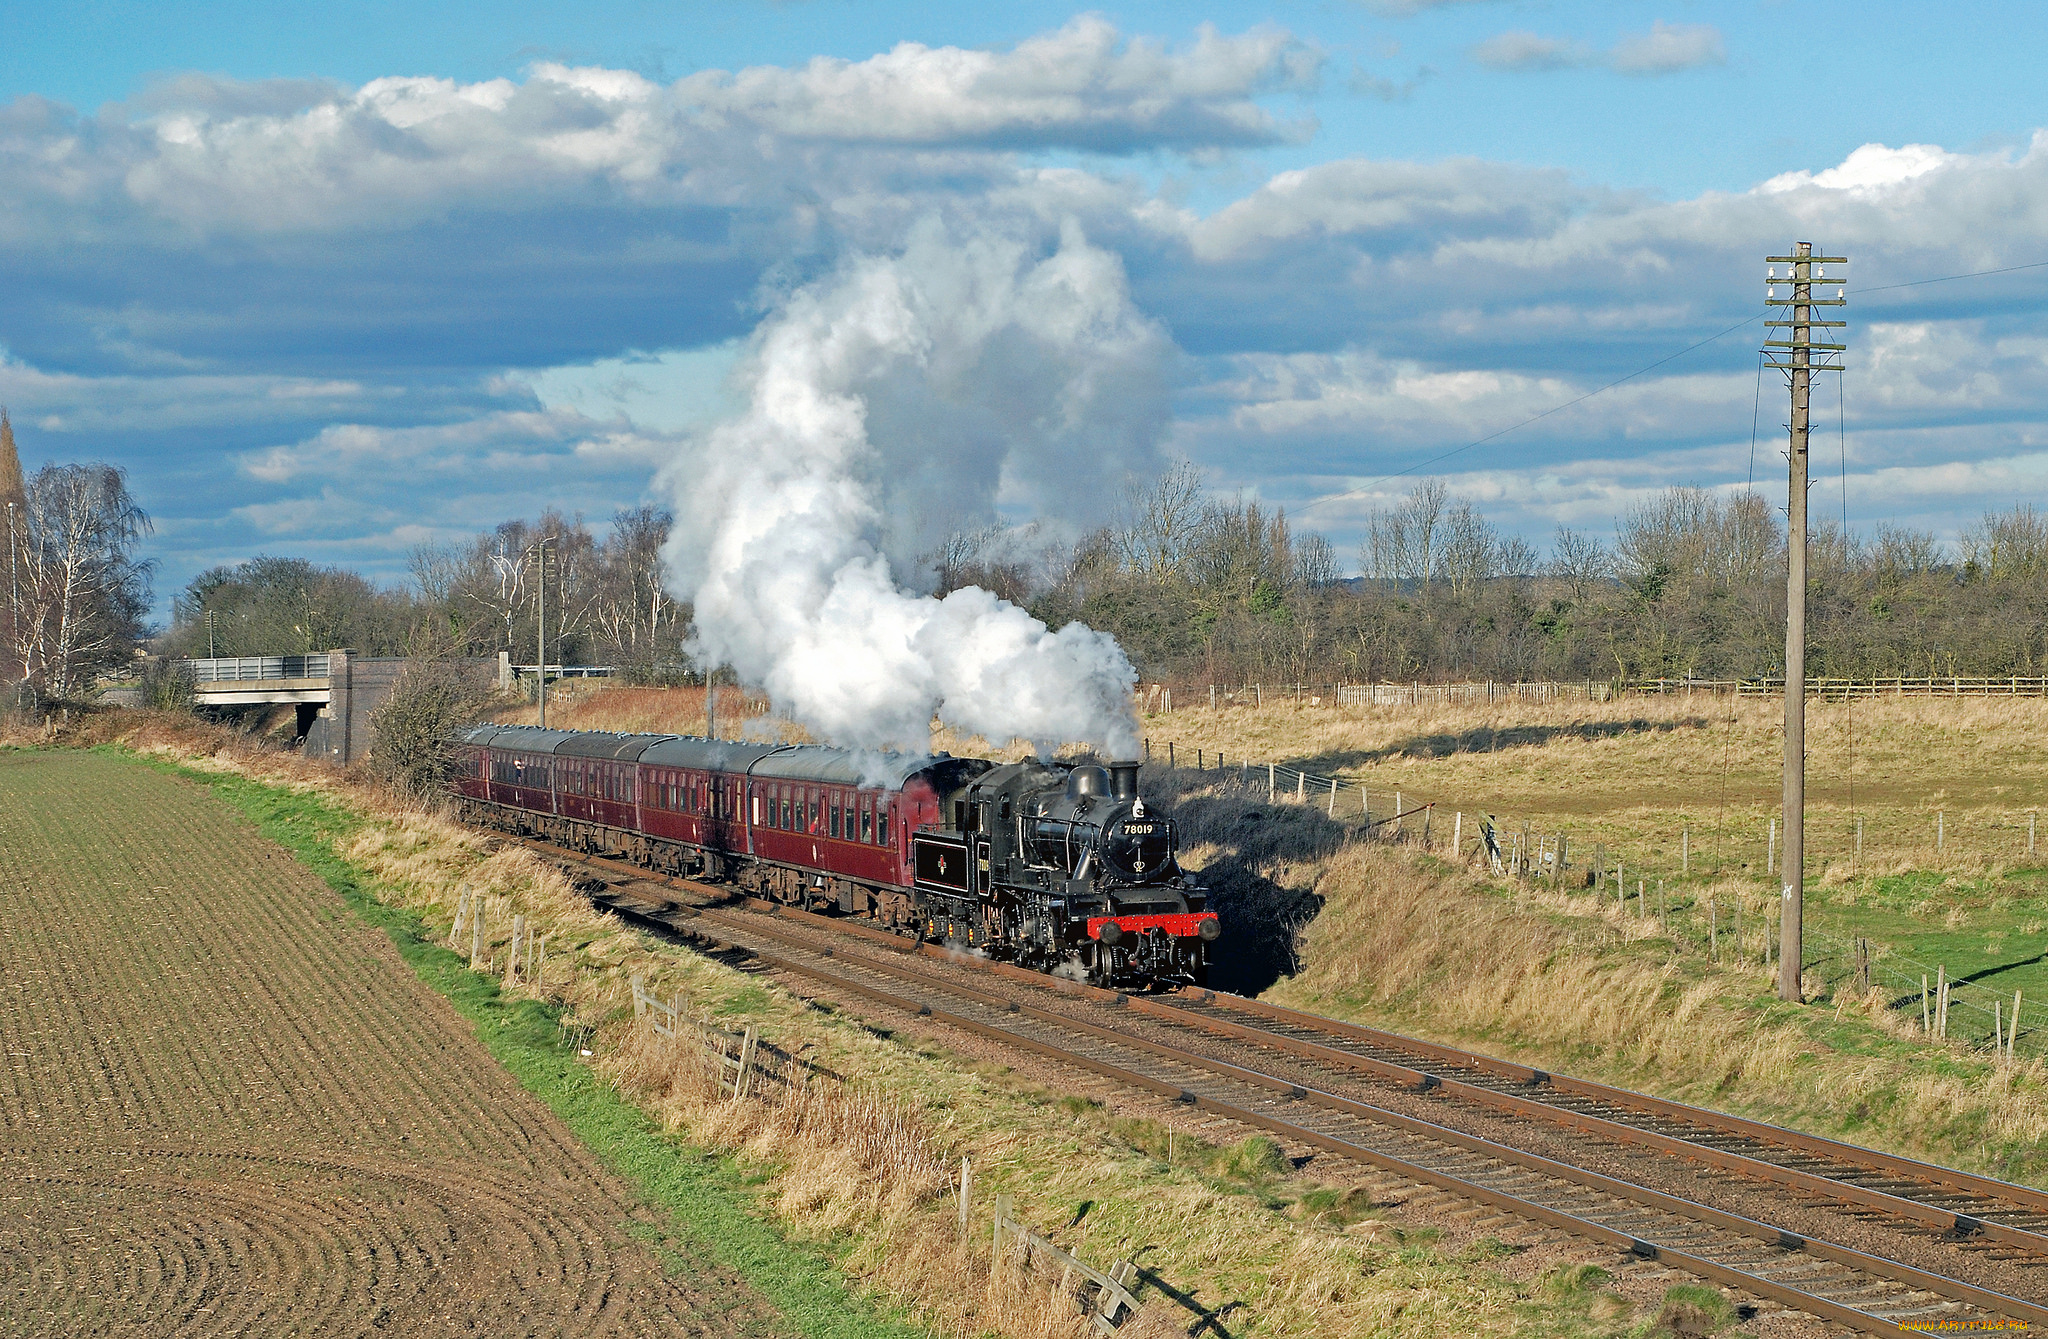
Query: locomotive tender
{"x": 1055, "y": 867}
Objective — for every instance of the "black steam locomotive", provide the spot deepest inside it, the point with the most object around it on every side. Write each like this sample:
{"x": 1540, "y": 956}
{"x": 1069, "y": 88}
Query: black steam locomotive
{"x": 1069, "y": 872}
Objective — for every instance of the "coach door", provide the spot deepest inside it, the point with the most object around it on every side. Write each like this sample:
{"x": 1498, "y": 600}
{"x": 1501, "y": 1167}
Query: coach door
{"x": 721, "y": 812}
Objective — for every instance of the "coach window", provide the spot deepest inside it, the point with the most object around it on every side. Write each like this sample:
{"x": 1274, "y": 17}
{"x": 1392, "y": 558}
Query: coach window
{"x": 867, "y": 821}
{"x": 882, "y": 827}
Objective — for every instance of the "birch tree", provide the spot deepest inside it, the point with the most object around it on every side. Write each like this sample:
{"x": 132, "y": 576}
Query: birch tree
{"x": 83, "y": 592}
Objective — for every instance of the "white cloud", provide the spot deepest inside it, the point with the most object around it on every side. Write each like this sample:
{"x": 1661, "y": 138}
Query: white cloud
{"x": 299, "y": 156}
{"x": 1666, "y": 49}
{"x": 497, "y": 443}
{"x": 1083, "y": 86}
{"x": 1870, "y": 169}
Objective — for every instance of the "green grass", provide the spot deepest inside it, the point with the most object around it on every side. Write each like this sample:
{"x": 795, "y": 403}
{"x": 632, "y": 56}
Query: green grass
{"x": 706, "y": 1196}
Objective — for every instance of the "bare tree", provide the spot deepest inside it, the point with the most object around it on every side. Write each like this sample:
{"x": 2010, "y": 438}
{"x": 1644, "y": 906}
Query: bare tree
{"x": 1401, "y": 544}
{"x": 82, "y": 590}
{"x": 2009, "y": 545}
{"x": 1580, "y": 560}
{"x": 1157, "y": 523}
{"x": 630, "y": 610}
{"x": 1315, "y": 562}
{"x": 1902, "y": 552}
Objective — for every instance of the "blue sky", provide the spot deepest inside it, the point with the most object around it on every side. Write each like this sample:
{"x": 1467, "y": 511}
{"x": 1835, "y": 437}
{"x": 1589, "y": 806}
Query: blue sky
{"x": 335, "y": 280}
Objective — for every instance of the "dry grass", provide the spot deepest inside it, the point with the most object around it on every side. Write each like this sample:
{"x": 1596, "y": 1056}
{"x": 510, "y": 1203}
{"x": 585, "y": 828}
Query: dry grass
{"x": 1635, "y": 772}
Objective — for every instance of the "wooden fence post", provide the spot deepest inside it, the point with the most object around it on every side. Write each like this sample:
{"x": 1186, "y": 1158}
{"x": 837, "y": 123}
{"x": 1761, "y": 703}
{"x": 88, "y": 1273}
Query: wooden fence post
{"x": 1458, "y": 835}
{"x": 1333, "y": 797}
{"x": 512, "y": 956}
{"x": 1272, "y": 770}
{"x": 1940, "y": 835}
{"x": 966, "y": 1181}
{"x": 1684, "y": 851}
{"x": 1003, "y": 1203}
{"x": 1301, "y": 785}
{"x": 476, "y": 936}
{"x": 461, "y": 915}
{"x": 740, "y": 1082}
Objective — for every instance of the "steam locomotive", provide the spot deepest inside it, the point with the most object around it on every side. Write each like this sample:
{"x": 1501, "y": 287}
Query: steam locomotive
{"x": 1056, "y": 867}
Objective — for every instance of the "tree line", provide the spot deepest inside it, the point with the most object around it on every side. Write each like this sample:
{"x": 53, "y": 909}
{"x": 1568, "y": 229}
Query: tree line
{"x": 1200, "y": 588}
{"x": 1206, "y": 589}
{"x": 600, "y": 595}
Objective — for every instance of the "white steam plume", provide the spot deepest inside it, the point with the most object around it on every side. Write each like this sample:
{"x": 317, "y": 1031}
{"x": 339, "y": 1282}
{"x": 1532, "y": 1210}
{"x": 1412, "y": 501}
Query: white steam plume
{"x": 899, "y": 393}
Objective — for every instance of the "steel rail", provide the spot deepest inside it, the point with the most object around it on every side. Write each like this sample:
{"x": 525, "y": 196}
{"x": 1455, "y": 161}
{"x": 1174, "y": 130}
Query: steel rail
{"x": 1955, "y": 1291}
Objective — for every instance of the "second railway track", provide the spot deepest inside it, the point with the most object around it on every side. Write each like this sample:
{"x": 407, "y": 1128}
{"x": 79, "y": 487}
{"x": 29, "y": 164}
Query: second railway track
{"x": 1875, "y": 1242}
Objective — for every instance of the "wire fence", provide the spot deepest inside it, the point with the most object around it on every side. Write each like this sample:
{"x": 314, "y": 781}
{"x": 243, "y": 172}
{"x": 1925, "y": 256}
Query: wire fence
{"x": 1160, "y": 697}
{"x": 1693, "y": 905}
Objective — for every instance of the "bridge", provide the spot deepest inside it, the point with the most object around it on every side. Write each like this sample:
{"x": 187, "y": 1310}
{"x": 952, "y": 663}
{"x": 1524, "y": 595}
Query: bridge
{"x": 334, "y": 691}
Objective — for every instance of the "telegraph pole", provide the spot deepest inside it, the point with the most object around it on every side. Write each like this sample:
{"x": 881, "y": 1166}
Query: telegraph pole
{"x": 540, "y": 630}
{"x": 1796, "y": 358}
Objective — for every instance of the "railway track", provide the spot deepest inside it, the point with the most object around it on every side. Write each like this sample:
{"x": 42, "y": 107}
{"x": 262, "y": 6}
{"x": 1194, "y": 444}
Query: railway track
{"x": 1934, "y": 1247}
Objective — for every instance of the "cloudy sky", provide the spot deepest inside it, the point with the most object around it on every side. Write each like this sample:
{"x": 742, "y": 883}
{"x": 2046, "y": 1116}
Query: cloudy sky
{"x": 334, "y": 280}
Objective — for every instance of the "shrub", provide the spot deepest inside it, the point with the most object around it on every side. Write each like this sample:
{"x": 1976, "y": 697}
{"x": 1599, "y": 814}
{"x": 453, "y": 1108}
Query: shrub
{"x": 165, "y": 685}
{"x": 417, "y": 730}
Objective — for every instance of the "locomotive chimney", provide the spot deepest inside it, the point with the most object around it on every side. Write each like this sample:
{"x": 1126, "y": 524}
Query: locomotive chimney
{"x": 1123, "y": 780}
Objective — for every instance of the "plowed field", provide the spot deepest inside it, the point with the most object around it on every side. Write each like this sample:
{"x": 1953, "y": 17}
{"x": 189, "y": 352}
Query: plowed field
{"x": 228, "y": 1107}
